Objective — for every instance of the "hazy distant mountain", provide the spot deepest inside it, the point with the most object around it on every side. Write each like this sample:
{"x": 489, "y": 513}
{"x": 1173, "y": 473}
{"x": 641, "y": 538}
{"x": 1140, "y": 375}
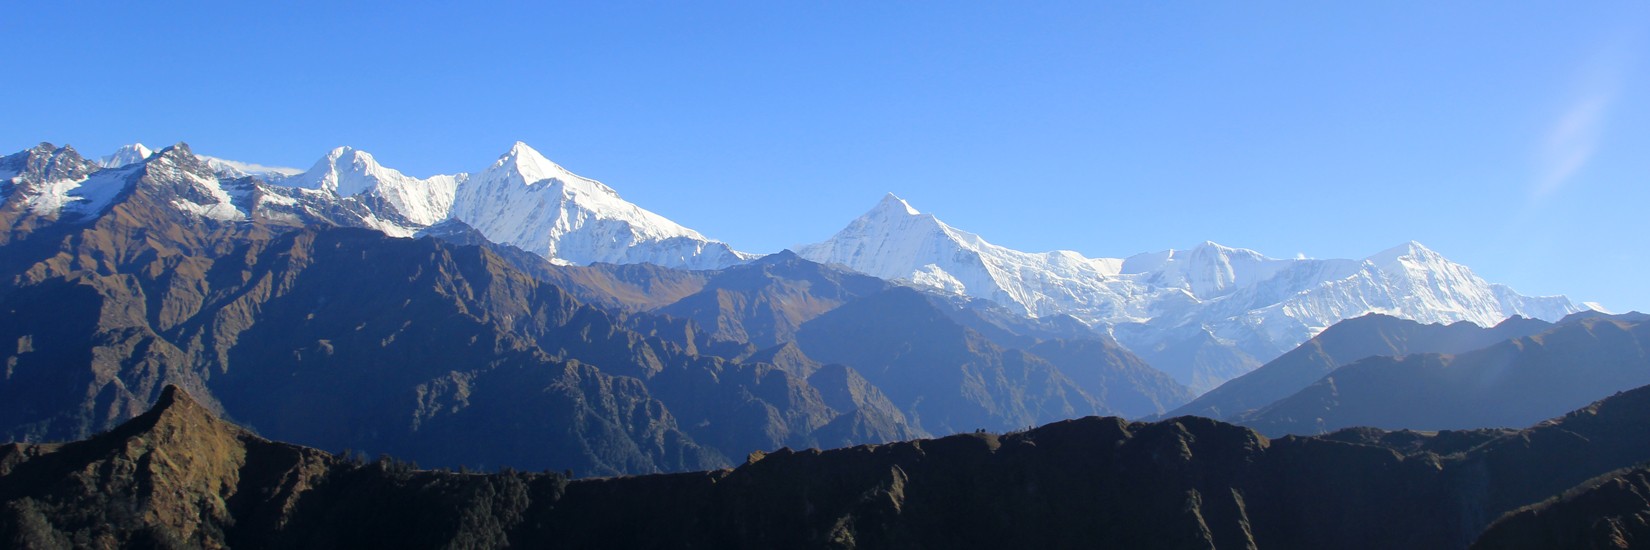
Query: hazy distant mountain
{"x": 1113, "y": 376}
{"x": 764, "y": 302}
{"x": 202, "y": 482}
{"x": 1347, "y": 341}
{"x": 1204, "y": 315}
{"x": 948, "y": 378}
{"x": 1511, "y": 383}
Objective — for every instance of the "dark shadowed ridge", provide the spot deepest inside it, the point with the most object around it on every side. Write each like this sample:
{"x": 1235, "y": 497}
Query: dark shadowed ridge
{"x": 1609, "y": 511}
{"x": 175, "y": 476}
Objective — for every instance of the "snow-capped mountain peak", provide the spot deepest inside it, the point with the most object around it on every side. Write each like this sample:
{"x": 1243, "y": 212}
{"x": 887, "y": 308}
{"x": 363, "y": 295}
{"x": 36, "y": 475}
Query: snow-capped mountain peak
{"x": 893, "y": 240}
{"x": 349, "y": 172}
{"x": 522, "y": 199}
{"x": 46, "y": 180}
{"x": 175, "y": 176}
{"x": 893, "y": 205}
{"x": 126, "y": 154}
{"x": 525, "y": 166}
{"x": 1412, "y": 252}
{"x": 345, "y": 171}
{"x": 528, "y": 201}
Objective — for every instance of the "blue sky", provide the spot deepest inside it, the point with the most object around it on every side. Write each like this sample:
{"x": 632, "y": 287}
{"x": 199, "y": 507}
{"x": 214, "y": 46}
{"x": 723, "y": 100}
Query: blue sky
{"x": 1513, "y": 137}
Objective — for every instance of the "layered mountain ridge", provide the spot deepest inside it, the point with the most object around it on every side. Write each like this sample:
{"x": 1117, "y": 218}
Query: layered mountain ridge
{"x": 447, "y": 352}
{"x": 1204, "y": 315}
{"x": 292, "y": 304}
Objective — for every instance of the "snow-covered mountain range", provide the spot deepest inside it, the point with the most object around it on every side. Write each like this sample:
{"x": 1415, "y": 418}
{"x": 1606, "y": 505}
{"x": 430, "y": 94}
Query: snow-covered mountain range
{"x": 1204, "y": 315}
{"x": 523, "y": 199}
{"x": 1162, "y": 304}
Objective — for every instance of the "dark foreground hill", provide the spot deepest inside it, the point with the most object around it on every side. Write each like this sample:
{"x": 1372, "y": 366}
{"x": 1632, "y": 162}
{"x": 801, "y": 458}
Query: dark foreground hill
{"x": 178, "y": 477}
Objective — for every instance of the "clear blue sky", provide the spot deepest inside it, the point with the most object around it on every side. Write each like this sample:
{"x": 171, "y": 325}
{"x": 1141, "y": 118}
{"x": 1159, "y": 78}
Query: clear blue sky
{"x": 1513, "y": 137}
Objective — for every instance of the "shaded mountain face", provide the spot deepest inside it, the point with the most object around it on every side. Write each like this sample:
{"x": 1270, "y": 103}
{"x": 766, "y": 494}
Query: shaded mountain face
{"x": 951, "y": 379}
{"x": 176, "y": 476}
{"x": 766, "y": 301}
{"x": 1348, "y": 341}
{"x": 1191, "y": 354}
{"x": 446, "y": 355}
{"x": 1511, "y": 383}
{"x": 302, "y": 337}
{"x": 615, "y": 287}
{"x": 1113, "y": 376}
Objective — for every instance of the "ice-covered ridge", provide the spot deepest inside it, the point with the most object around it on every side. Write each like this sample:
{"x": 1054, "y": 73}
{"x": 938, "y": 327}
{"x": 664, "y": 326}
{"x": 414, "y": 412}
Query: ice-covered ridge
{"x": 237, "y": 168}
{"x": 136, "y": 152}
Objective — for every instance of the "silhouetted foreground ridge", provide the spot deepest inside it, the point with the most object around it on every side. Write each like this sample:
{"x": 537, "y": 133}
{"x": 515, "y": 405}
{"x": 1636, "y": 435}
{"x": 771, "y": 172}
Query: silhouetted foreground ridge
{"x": 176, "y": 476}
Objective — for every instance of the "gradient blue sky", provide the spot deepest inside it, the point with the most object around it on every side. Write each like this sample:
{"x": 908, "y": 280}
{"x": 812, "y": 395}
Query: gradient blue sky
{"x": 1513, "y": 137}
